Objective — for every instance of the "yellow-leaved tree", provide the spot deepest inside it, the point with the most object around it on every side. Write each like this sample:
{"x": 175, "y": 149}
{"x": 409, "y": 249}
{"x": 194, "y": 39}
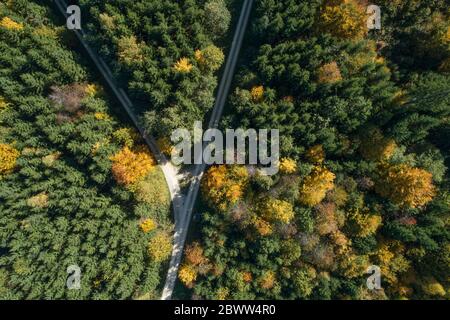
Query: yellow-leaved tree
{"x": 344, "y": 19}
{"x": 257, "y": 93}
{"x": 405, "y": 186}
{"x": 267, "y": 280}
{"x": 222, "y": 293}
{"x": 165, "y": 145}
{"x": 315, "y": 186}
{"x": 93, "y": 89}
{"x": 3, "y": 103}
{"x": 160, "y": 247}
{"x": 288, "y": 166}
{"x": 147, "y": 225}
{"x": 277, "y": 210}
{"x": 223, "y": 186}
{"x": 187, "y": 275}
{"x": 38, "y": 201}
{"x": 10, "y": 24}
{"x": 316, "y": 154}
{"x": 329, "y": 73}
{"x": 183, "y": 66}
{"x": 431, "y": 287}
{"x": 391, "y": 259}
{"x": 375, "y": 147}
{"x": 107, "y": 21}
{"x": 263, "y": 227}
{"x": 210, "y": 58}
{"x": 8, "y": 158}
{"x": 352, "y": 265}
{"x": 363, "y": 223}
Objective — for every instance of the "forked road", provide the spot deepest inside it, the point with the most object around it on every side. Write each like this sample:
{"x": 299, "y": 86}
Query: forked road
{"x": 182, "y": 224}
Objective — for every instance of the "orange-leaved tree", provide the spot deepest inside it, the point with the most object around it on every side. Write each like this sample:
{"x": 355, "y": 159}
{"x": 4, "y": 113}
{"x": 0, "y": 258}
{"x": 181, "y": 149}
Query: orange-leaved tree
{"x": 329, "y": 73}
{"x": 288, "y": 166}
{"x": 194, "y": 254}
{"x": 267, "y": 280}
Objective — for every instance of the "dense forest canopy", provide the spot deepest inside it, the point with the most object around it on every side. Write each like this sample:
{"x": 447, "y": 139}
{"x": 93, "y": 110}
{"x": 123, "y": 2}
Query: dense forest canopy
{"x": 77, "y": 185}
{"x": 364, "y": 123}
{"x": 363, "y": 181}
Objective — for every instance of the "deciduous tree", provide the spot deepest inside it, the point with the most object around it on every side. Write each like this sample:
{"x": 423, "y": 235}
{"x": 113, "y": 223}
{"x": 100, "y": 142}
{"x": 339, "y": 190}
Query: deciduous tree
{"x": 315, "y": 186}
{"x": 405, "y": 186}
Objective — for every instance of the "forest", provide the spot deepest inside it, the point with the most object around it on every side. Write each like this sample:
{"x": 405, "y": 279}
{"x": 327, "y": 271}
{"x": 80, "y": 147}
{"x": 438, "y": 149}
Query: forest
{"x": 77, "y": 184}
{"x": 364, "y": 124}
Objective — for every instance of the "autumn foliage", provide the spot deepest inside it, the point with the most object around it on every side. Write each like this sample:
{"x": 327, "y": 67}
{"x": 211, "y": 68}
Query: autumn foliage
{"x": 223, "y": 185}
{"x": 277, "y": 210}
{"x": 343, "y": 19}
{"x": 257, "y": 93}
{"x": 38, "y": 201}
{"x": 326, "y": 222}
{"x": 267, "y": 280}
{"x": 187, "y": 274}
{"x": 10, "y": 24}
{"x": 329, "y": 73}
{"x": 194, "y": 254}
{"x": 288, "y": 166}
{"x": 8, "y": 157}
{"x": 316, "y": 154}
{"x": 210, "y": 58}
{"x": 160, "y": 247}
{"x": 148, "y": 225}
{"x": 376, "y": 147}
{"x": 3, "y": 103}
{"x": 363, "y": 223}
{"x": 129, "y": 166}
{"x": 130, "y": 51}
